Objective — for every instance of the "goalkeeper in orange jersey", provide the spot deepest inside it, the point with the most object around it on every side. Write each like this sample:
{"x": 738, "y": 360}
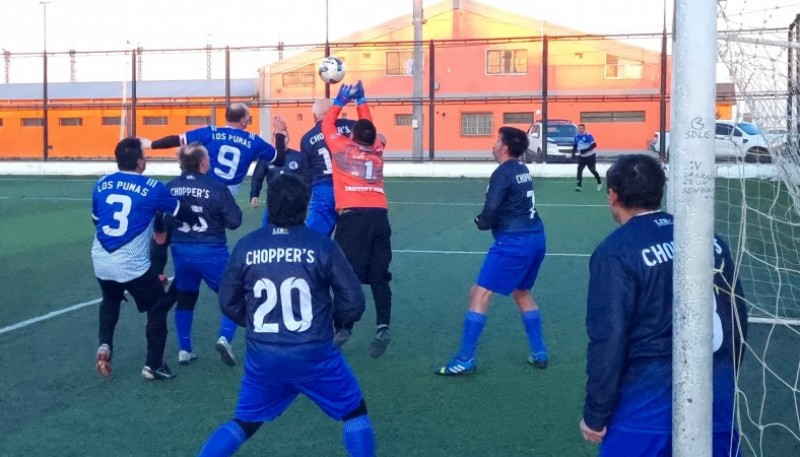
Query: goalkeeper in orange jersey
{"x": 363, "y": 229}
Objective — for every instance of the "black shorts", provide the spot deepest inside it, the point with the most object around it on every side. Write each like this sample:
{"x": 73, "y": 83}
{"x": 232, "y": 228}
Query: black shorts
{"x": 146, "y": 290}
{"x": 365, "y": 237}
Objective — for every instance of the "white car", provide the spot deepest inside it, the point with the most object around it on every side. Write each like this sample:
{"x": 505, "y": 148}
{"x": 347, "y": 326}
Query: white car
{"x": 734, "y": 140}
{"x": 560, "y": 138}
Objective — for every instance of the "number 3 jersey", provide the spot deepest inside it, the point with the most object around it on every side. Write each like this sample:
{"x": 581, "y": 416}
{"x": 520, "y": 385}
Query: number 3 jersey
{"x": 230, "y": 150}
{"x": 123, "y": 207}
{"x": 629, "y": 323}
{"x": 278, "y": 284}
{"x": 212, "y": 202}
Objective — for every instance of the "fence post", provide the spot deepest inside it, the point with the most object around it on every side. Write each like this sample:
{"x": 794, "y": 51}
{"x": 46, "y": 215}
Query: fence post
{"x": 431, "y": 100}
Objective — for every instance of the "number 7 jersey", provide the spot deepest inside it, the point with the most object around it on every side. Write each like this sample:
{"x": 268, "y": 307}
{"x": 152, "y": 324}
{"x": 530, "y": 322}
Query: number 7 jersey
{"x": 230, "y": 151}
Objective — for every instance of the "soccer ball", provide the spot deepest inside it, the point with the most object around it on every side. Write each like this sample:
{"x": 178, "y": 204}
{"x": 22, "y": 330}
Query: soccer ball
{"x": 331, "y": 70}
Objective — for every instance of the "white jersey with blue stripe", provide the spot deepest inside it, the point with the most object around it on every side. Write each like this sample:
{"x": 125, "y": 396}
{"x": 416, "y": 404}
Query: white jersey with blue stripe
{"x": 584, "y": 141}
{"x": 230, "y": 151}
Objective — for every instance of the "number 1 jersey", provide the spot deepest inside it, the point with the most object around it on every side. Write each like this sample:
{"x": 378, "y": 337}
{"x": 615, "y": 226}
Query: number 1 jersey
{"x": 230, "y": 151}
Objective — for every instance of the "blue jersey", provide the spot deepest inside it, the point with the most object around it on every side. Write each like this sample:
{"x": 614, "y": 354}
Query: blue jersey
{"x": 278, "y": 284}
{"x": 629, "y": 323}
{"x": 510, "y": 205}
{"x": 215, "y": 207}
{"x": 230, "y": 150}
{"x": 316, "y": 151}
{"x": 583, "y": 142}
{"x": 124, "y": 205}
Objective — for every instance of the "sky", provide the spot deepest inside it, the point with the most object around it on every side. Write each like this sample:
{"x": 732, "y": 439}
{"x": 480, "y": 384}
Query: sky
{"x": 159, "y": 24}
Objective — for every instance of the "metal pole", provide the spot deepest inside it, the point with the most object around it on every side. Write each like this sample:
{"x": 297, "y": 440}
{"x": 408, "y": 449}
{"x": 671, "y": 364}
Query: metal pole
{"x": 431, "y": 100}
{"x": 692, "y": 165}
{"x": 227, "y": 76}
{"x": 416, "y": 150}
{"x": 543, "y": 133}
{"x": 662, "y": 123}
{"x": 133, "y": 91}
{"x": 327, "y": 49}
{"x": 45, "y": 133}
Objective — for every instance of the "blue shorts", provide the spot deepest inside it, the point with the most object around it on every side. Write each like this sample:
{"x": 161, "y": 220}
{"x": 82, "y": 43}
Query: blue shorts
{"x": 322, "y": 214}
{"x": 329, "y": 382}
{"x": 631, "y": 444}
{"x": 195, "y": 263}
{"x": 512, "y": 263}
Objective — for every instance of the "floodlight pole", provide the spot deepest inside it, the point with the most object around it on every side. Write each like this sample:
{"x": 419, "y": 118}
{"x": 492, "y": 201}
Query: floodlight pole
{"x": 693, "y": 171}
{"x": 416, "y": 70}
{"x": 45, "y": 135}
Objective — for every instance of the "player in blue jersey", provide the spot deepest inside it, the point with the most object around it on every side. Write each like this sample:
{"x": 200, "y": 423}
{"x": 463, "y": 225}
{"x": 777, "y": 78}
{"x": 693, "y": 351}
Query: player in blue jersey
{"x": 294, "y": 162}
{"x": 322, "y": 214}
{"x": 278, "y": 285}
{"x": 513, "y": 261}
{"x": 124, "y": 205}
{"x": 199, "y": 251}
{"x": 628, "y": 404}
{"x": 231, "y": 148}
{"x": 584, "y": 146}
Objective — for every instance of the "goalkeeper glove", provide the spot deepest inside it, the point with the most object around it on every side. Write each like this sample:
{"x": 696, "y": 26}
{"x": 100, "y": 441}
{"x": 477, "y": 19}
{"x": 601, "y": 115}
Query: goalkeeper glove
{"x": 358, "y": 93}
{"x": 343, "y": 97}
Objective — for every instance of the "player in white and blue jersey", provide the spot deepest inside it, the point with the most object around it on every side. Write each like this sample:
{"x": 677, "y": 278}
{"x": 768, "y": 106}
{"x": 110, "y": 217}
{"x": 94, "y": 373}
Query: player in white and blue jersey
{"x": 124, "y": 205}
{"x": 584, "y": 146}
{"x": 628, "y": 406}
{"x": 322, "y": 214}
{"x": 200, "y": 251}
{"x": 512, "y": 263}
{"x": 231, "y": 148}
{"x": 294, "y": 162}
{"x": 278, "y": 285}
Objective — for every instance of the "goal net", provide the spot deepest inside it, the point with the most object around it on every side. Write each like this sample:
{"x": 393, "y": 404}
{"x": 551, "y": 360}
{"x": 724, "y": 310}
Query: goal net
{"x": 758, "y": 212}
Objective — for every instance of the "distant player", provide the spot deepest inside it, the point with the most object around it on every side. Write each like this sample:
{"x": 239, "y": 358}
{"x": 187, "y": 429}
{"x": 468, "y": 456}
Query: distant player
{"x": 124, "y": 205}
{"x": 231, "y": 149}
{"x": 322, "y": 215}
{"x": 628, "y": 405}
{"x": 584, "y": 145}
{"x": 363, "y": 229}
{"x": 294, "y": 163}
{"x": 278, "y": 285}
{"x": 512, "y": 263}
{"x": 199, "y": 251}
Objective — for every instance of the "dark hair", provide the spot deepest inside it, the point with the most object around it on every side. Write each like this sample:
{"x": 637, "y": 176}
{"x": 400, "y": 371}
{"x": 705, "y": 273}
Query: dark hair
{"x": 287, "y": 200}
{"x": 364, "y": 132}
{"x": 515, "y": 139}
{"x": 191, "y": 156}
{"x": 237, "y": 112}
{"x": 128, "y": 152}
{"x": 582, "y": 125}
{"x": 638, "y": 180}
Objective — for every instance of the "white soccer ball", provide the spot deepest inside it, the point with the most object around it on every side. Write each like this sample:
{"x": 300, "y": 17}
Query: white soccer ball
{"x": 331, "y": 70}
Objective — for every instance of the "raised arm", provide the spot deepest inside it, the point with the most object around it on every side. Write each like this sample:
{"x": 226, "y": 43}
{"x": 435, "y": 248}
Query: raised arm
{"x": 336, "y": 141}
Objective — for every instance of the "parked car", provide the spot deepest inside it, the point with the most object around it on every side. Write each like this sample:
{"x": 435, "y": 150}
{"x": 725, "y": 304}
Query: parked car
{"x": 734, "y": 140}
{"x": 560, "y": 138}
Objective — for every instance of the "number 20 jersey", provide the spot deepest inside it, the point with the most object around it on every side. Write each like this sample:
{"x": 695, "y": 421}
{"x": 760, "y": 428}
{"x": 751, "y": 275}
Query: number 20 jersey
{"x": 230, "y": 151}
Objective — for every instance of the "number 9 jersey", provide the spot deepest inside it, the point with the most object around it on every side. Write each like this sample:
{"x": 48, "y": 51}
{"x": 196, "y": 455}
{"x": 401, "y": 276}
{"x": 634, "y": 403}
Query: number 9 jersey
{"x": 230, "y": 151}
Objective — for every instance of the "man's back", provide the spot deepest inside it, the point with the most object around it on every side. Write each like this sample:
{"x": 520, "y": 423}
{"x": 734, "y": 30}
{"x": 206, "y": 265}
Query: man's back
{"x": 512, "y": 200}
{"x": 231, "y": 151}
{"x": 318, "y": 154}
{"x": 285, "y": 276}
{"x": 630, "y": 294}
{"x": 215, "y": 207}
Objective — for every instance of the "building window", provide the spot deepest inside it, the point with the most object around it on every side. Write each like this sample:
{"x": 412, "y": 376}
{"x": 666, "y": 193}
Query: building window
{"x": 476, "y": 124}
{"x": 623, "y": 68}
{"x": 299, "y": 116}
{"x": 300, "y": 77}
{"x": 198, "y": 120}
{"x": 70, "y": 121}
{"x": 32, "y": 122}
{"x": 612, "y": 116}
{"x": 403, "y": 119}
{"x": 507, "y": 62}
{"x": 518, "y": 118}
{"x": 1, "y": 121}
{"x": 111, "y": 120}
{"x": 154, "y": 120}
{"x": 398, "y": 63}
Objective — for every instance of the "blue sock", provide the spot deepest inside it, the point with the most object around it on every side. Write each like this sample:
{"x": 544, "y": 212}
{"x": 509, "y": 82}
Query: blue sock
{"x": 227, "y": 328}
{"x": 473, "y": 326}
{"x": 533, "y": 327}
{"x": 224, "y": 441}
{"x": 359, "y": 439}
{"x": 183, "y": 325}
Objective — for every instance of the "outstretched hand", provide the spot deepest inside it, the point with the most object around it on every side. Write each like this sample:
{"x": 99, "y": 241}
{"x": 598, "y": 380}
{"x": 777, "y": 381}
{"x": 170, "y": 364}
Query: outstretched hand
{"x": 278, "y": 124}
{"x": 344, "y": 95}
{"x": 358, "y": 93}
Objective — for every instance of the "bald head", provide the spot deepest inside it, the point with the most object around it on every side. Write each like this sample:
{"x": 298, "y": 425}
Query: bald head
{"x": 237, "y": 113}
{"x": 321, "y": 107}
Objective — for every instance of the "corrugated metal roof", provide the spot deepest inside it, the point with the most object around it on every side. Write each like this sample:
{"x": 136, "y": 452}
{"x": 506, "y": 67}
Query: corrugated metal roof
{"x": 144, "y": 89}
